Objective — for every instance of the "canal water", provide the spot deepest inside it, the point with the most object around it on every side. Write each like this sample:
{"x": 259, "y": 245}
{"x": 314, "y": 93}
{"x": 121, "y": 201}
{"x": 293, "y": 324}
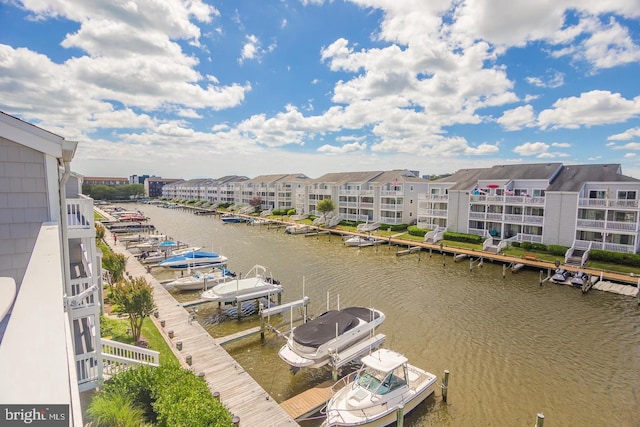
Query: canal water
{"x": 513, "y": 348}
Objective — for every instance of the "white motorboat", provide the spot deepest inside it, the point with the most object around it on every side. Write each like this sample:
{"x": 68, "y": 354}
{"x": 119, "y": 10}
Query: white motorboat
{"x": 372, "y": 397}
{"x": 148, "y": 257}
{"x": 312, "y": 344}
{"x": 359, "y": 241}
{"x": 257, "y": 283}
{"x": 297, "y": 229}
{"x": 202, "y": 280}
{"x": 194, "y": 259}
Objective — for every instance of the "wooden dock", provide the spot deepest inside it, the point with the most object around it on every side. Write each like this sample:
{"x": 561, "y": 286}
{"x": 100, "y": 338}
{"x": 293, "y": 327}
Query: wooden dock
{"x": 239, "y": 392}
{"x": 309, "y": 401}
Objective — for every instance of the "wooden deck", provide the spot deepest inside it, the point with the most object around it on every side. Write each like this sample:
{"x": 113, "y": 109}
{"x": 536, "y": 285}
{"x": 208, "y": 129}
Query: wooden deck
{"x": 239, "y": 392}
{"x": 309, "y": 401}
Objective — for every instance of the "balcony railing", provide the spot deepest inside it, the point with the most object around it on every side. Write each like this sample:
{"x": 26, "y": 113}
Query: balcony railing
{"x": 611, "y": 203}
{"x": 80, "y": 214}
{"x": 608, "y": 225}
{"x": 392, "y": 207}
{"x": 437, "y": 197}
{"x": 616, "y": 247}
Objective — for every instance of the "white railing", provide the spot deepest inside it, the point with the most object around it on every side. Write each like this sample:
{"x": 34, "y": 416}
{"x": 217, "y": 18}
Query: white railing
{"x": 622, "y": 226}
{"x": 392, "y": 207}
{"x": 390, "y": 220}
{"x": 590, "y": 223}
{"x": 614, "y": 203}
{"x": 118, "y": 356}
{"x": 439, "y": 197}
{"x": 494, "y": 216}
{"x": 435, "y": 235}
{"x": 533, "y": 219}
{"x": 437, "y": 212}
{"x": 391, "y": 193}
{"x": 477, "y": 215}
{"x": 533, "y": 238}
{"x": 80, "y": 213}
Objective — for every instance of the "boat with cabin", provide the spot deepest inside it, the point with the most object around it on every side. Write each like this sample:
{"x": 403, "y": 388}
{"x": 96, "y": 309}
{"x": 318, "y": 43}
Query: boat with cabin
{"x": 384, "y": 383}
{"x": 257, "y": 283}
{"x": 314, "y": 343}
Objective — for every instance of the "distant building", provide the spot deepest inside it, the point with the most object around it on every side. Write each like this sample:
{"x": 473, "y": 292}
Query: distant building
{"x": 153, "y": 186}
{"x": 110, "y": 181}
{"x": 138, "y": 179}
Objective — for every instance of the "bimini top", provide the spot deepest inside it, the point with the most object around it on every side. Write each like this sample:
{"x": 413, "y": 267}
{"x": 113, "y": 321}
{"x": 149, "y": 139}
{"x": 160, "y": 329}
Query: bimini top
{"x": 323, "y": 328}
{"x": 384, "y": 360}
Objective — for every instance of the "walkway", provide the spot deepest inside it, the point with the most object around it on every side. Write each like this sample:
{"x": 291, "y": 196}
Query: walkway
{"x": 238, "y": 391}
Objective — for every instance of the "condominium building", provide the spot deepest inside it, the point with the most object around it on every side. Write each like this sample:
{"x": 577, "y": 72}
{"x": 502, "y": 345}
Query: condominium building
{"x": 580, "y": 206}
{"x": 274, "y": 191}
{"x": 153, "y": 186}
{"x": 50, "y": 276}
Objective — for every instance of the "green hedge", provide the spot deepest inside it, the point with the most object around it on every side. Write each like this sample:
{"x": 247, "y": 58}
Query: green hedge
{"x": 557, "y": 250}
{"x": 417, "y": 231}
{"x": 169, "y": 396}
{"x": 279, "y": 212}
{"x": 462, "y": 237}
{"x": 632, "y": 260}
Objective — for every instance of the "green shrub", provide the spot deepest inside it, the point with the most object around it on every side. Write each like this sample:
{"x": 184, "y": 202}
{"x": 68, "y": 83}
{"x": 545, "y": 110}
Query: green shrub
{"x": 463, "y": 237}
{"x": 515, "y": 244}
{"x": 167, "y": 396}
{"x": 526, "y": 246}
{"x": 279, "y": 212}
{"x": 631, "y": 260}
{"x": 417, "y": 231}
{"x": 291, "y": 212}
{"x": 539, "y": 247}
{"x": 115, "y": 409}
{"x": 557, "y": 250}
{"x": 393, "y": 227}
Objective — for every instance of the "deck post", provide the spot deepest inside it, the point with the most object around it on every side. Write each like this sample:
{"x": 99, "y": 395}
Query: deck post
{"x": 540, "y": 420}
{"x": 239, "y": 308}
{"x": 236, "y": 421}
{"x": 504, "y": 271}
{"x": 540, "y": 278}
{"x": 400, "y": 415}
{"x": 445, "y": 385}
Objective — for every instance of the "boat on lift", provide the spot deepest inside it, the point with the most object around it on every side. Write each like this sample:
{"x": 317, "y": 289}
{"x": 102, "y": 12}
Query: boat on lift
{"x": 561, "y": 276}
{"x": 202, "y": 279}
{"x": 257, "y": 283}
{"x": 360, "y": 241}
{"x": 194, "y": 259}
{"x": 298, "y": 229}
{"x": 385, "y": 382}
{"x": 314, "y": 343}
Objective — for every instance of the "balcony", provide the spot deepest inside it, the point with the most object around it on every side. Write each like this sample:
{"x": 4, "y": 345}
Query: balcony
{"x": 80, "y": 217}
{"x": 611, "y": 203}
{"x": 392, "y": 193}
{"x": 37, "y": 343}
{"x": 442, "y": 213}
{"x": 608, "y": 225}
{"x": 437, "y": 197}
{"x": 392, "y": 207}
{"x": 615, "y": 247}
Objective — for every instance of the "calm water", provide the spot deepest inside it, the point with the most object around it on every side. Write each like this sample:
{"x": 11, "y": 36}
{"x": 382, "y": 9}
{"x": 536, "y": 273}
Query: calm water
{"x": 513, "y": 348}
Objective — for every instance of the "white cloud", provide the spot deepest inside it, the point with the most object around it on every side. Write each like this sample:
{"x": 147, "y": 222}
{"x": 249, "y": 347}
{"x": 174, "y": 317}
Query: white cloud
{"x": 346, "y": 148}
{"x": 589, "y": 109}
{"x": 628, "y": 155}
{"x": 628, "y": 146}
{"x": 561, "y": 144}
{"x": 553, "y": 79}
{"x": 531, "y": 148}
{"x": 517, "y": 118}
{"x": 482, "y": 149}
{"x": 626, "y": 135}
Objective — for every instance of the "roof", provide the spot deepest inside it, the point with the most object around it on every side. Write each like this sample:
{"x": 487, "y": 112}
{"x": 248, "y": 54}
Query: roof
{"x": 573, "y": 177}
{"x": 384, "y": 177}
{"x": 384, "y": 360}
{"x": 466, "y": 179}
{"x": 278, "y": 177}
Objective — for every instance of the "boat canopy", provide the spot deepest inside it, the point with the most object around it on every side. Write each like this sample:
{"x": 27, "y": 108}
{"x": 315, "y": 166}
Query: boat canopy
{"x": 384, "y": 360}
{"x": 323, "y": 328}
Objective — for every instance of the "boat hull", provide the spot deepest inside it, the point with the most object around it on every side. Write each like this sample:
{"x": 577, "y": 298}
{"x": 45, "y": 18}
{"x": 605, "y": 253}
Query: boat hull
{"x": 383, "y": 414}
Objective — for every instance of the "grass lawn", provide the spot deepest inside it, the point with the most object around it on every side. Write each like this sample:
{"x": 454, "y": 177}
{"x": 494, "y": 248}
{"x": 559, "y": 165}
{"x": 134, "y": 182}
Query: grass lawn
{"x": 116, "y": 330}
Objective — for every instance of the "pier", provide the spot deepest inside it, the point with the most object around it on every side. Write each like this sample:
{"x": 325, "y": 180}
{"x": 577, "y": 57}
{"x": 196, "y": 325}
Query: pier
{"x": 198, "y": 351}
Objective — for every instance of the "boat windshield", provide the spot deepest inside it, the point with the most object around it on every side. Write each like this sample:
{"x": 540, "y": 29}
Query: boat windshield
{"x": 371, "y": 379}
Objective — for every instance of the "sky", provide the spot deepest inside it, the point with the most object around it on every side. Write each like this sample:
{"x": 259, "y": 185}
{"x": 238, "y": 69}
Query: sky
{"x": 205, "y": 89}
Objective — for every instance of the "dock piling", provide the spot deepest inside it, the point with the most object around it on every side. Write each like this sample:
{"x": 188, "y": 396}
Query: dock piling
{"x": 445, "y": 385}
{"x": 540, "y": 420}
{"x": 400, "y": 415}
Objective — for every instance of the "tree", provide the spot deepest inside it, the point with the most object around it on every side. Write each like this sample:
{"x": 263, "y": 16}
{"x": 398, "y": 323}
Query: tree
{"x": 115, "y": 264}
{"x": 256, "y": 202}
{"x": 133, "y": 298}
{"x": 100, "y": 232}
{"x": 325, "y": 206}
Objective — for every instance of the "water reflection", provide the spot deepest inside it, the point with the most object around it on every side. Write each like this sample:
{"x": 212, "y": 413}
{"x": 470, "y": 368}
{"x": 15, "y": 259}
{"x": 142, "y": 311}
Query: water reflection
{"x": 514, "y": 348}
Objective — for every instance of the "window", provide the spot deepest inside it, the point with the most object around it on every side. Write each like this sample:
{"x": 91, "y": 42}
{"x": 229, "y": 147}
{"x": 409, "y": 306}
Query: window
{"x": 627, "y": 195}
{"x": 597, "y": 194}
{"x": 538, "y": 193}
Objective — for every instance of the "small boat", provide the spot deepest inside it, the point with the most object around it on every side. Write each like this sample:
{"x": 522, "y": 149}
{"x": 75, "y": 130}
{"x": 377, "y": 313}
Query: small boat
{"x": 194, "y": 259}
{"x": 152, "y": 256}
{"x": 579, "y": 279}
{"x": 202, "y": 280}
{"x": 561, "y": 276}
{"x": 359, "y": 241}
{"x": 312, "y": 344}
{"x": 297, "y": 229}
{"x": 232, "y": 219}
{"x": 256, "y": 284}
{"x": 372, "y": 397}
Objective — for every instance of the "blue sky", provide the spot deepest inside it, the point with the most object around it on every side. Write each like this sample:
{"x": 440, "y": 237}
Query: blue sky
{"x": 193, "y": 88}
